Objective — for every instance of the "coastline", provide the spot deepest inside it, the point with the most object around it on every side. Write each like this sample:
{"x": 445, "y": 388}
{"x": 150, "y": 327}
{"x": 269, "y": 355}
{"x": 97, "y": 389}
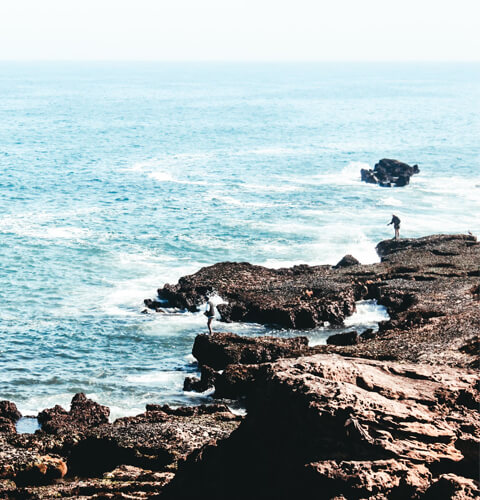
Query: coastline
{"x": 391, "y": 414}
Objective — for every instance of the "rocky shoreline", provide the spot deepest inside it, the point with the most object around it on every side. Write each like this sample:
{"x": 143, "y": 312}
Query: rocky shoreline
{"x": 385, "y": 414}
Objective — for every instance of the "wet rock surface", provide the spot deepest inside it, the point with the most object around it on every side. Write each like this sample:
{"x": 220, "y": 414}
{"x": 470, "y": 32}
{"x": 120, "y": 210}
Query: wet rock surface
{"x": 430, "y": 287}
{"x": 388, "y": 173}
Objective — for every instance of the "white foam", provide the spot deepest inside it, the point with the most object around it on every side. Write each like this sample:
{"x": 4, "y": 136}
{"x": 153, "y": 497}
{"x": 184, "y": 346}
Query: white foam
{"x": 368, "y": 313}
{"x": 161, "y": 176}
{"x": 389, "y": 201}
{"x": 162, "y": 378}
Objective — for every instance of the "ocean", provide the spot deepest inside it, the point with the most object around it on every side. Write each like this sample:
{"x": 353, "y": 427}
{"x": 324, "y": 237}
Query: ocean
{"x": 119, "y": 177}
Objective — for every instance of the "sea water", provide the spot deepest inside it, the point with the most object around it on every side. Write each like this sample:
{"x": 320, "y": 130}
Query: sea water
{"x": 118, "y": 178}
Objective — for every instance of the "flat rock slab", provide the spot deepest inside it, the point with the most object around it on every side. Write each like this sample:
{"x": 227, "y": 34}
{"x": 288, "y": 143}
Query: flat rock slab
{"x": 329, "y": 425}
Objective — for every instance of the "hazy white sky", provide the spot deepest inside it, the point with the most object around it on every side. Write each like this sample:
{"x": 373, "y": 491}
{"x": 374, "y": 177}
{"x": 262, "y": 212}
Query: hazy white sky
{"x": 240, "y": 29}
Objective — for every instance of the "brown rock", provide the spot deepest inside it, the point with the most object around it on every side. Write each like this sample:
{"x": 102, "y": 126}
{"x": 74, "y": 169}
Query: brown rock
{"x": 84, "y": 414}
{"x": 347, "y": 427}
{"x": 222, "y": 349}
{"x": 9, "y": 411}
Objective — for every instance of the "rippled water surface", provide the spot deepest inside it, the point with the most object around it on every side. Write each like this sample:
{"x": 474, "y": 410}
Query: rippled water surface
{"x": 118, "y": 178}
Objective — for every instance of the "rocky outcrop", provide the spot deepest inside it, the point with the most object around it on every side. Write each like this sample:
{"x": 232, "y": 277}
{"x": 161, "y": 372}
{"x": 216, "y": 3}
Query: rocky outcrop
{"x": 388, "y": 173}
{"x": 84, "y": 414}
{"x": 343, "y": 427}
{"x": 9, "y": 415}
{"x": 300, "y": 297}
{"x": 131, "y": 456}
{"x": 222, "y": 349}
{"x": 430, "y": 287}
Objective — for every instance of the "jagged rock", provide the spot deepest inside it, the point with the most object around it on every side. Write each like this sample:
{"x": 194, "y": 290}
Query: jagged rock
{"x": 388, "y": 173}
{"x": 7, "y": 426}
{"x": 345, "y": 338}
{"x": 207, "y": 380}
{"x": 347, "y": 261}
{"x": 366, "y": 479}
{"x": 84, "y": 414}
{"x": 269, "y": 296}
{"x": 153, "y": 304}
{"x": 355, "y": 427}
{"x": 9, "y": 411}
{"x": 156, "y": 439}
{"x": 221, "y": 349}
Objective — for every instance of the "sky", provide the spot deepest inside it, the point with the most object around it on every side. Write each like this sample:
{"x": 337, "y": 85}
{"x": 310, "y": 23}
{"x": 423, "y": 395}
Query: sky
{"x": 240, "y": 30}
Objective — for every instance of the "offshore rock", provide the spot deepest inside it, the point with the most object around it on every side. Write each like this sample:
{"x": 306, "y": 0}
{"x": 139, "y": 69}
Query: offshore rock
{"x": 344, "y": 427}
{"x": 388, "y": 173}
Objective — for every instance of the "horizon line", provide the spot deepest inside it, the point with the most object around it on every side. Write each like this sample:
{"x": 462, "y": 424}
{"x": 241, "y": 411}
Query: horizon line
{"x": 251, "y": 61}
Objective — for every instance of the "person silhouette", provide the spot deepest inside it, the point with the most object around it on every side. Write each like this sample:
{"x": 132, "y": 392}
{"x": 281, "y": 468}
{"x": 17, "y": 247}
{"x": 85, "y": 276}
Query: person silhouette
{"x": 396, "y": 225}
{"x": 210, "y": 314}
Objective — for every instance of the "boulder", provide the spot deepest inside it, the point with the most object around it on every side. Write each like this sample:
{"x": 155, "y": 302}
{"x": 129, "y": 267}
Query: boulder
{"x": 347, "y": 261}
{"x": 9, "y": 411}
{"x": 388, "y": 173}
{"x": 221, "y": 349}
{"x": 84, "y": 414}
{"x": 345, "y": 338}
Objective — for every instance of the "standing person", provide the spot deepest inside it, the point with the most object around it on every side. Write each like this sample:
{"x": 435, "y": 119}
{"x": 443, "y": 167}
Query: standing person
{"x": 210, "y": 314}
{"x": 396, "y": 225}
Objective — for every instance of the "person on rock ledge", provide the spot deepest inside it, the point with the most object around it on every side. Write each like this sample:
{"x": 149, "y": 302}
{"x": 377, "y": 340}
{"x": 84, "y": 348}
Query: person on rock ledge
{"x": 210, "y": 314}
{"x": 396, "y": 225}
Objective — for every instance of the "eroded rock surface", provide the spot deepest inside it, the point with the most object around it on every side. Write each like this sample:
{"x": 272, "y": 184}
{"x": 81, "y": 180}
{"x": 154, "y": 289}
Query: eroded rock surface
{"x": 81, "y": 445}
{"x": 332, "y": 426}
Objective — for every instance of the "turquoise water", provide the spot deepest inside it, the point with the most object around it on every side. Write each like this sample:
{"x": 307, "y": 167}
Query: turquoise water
{"x": 117, "y": 178}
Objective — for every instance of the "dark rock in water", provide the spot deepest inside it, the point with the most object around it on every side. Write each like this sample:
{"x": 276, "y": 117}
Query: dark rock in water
{"x": 389, "y": 173}
{"x": 153, "y": 304}
{"x": 347, "y": 261}
{"x": 346, "y": 338}
{"x": 9, "y": 411}
{"x": 221, "y": 349}
{"x": 84, "y": 414}
{"x": 348, "y": 428}
{"x": 207, "y": 380}
{"x": 268, "y": 296}
{"x": 367, "y": 334}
